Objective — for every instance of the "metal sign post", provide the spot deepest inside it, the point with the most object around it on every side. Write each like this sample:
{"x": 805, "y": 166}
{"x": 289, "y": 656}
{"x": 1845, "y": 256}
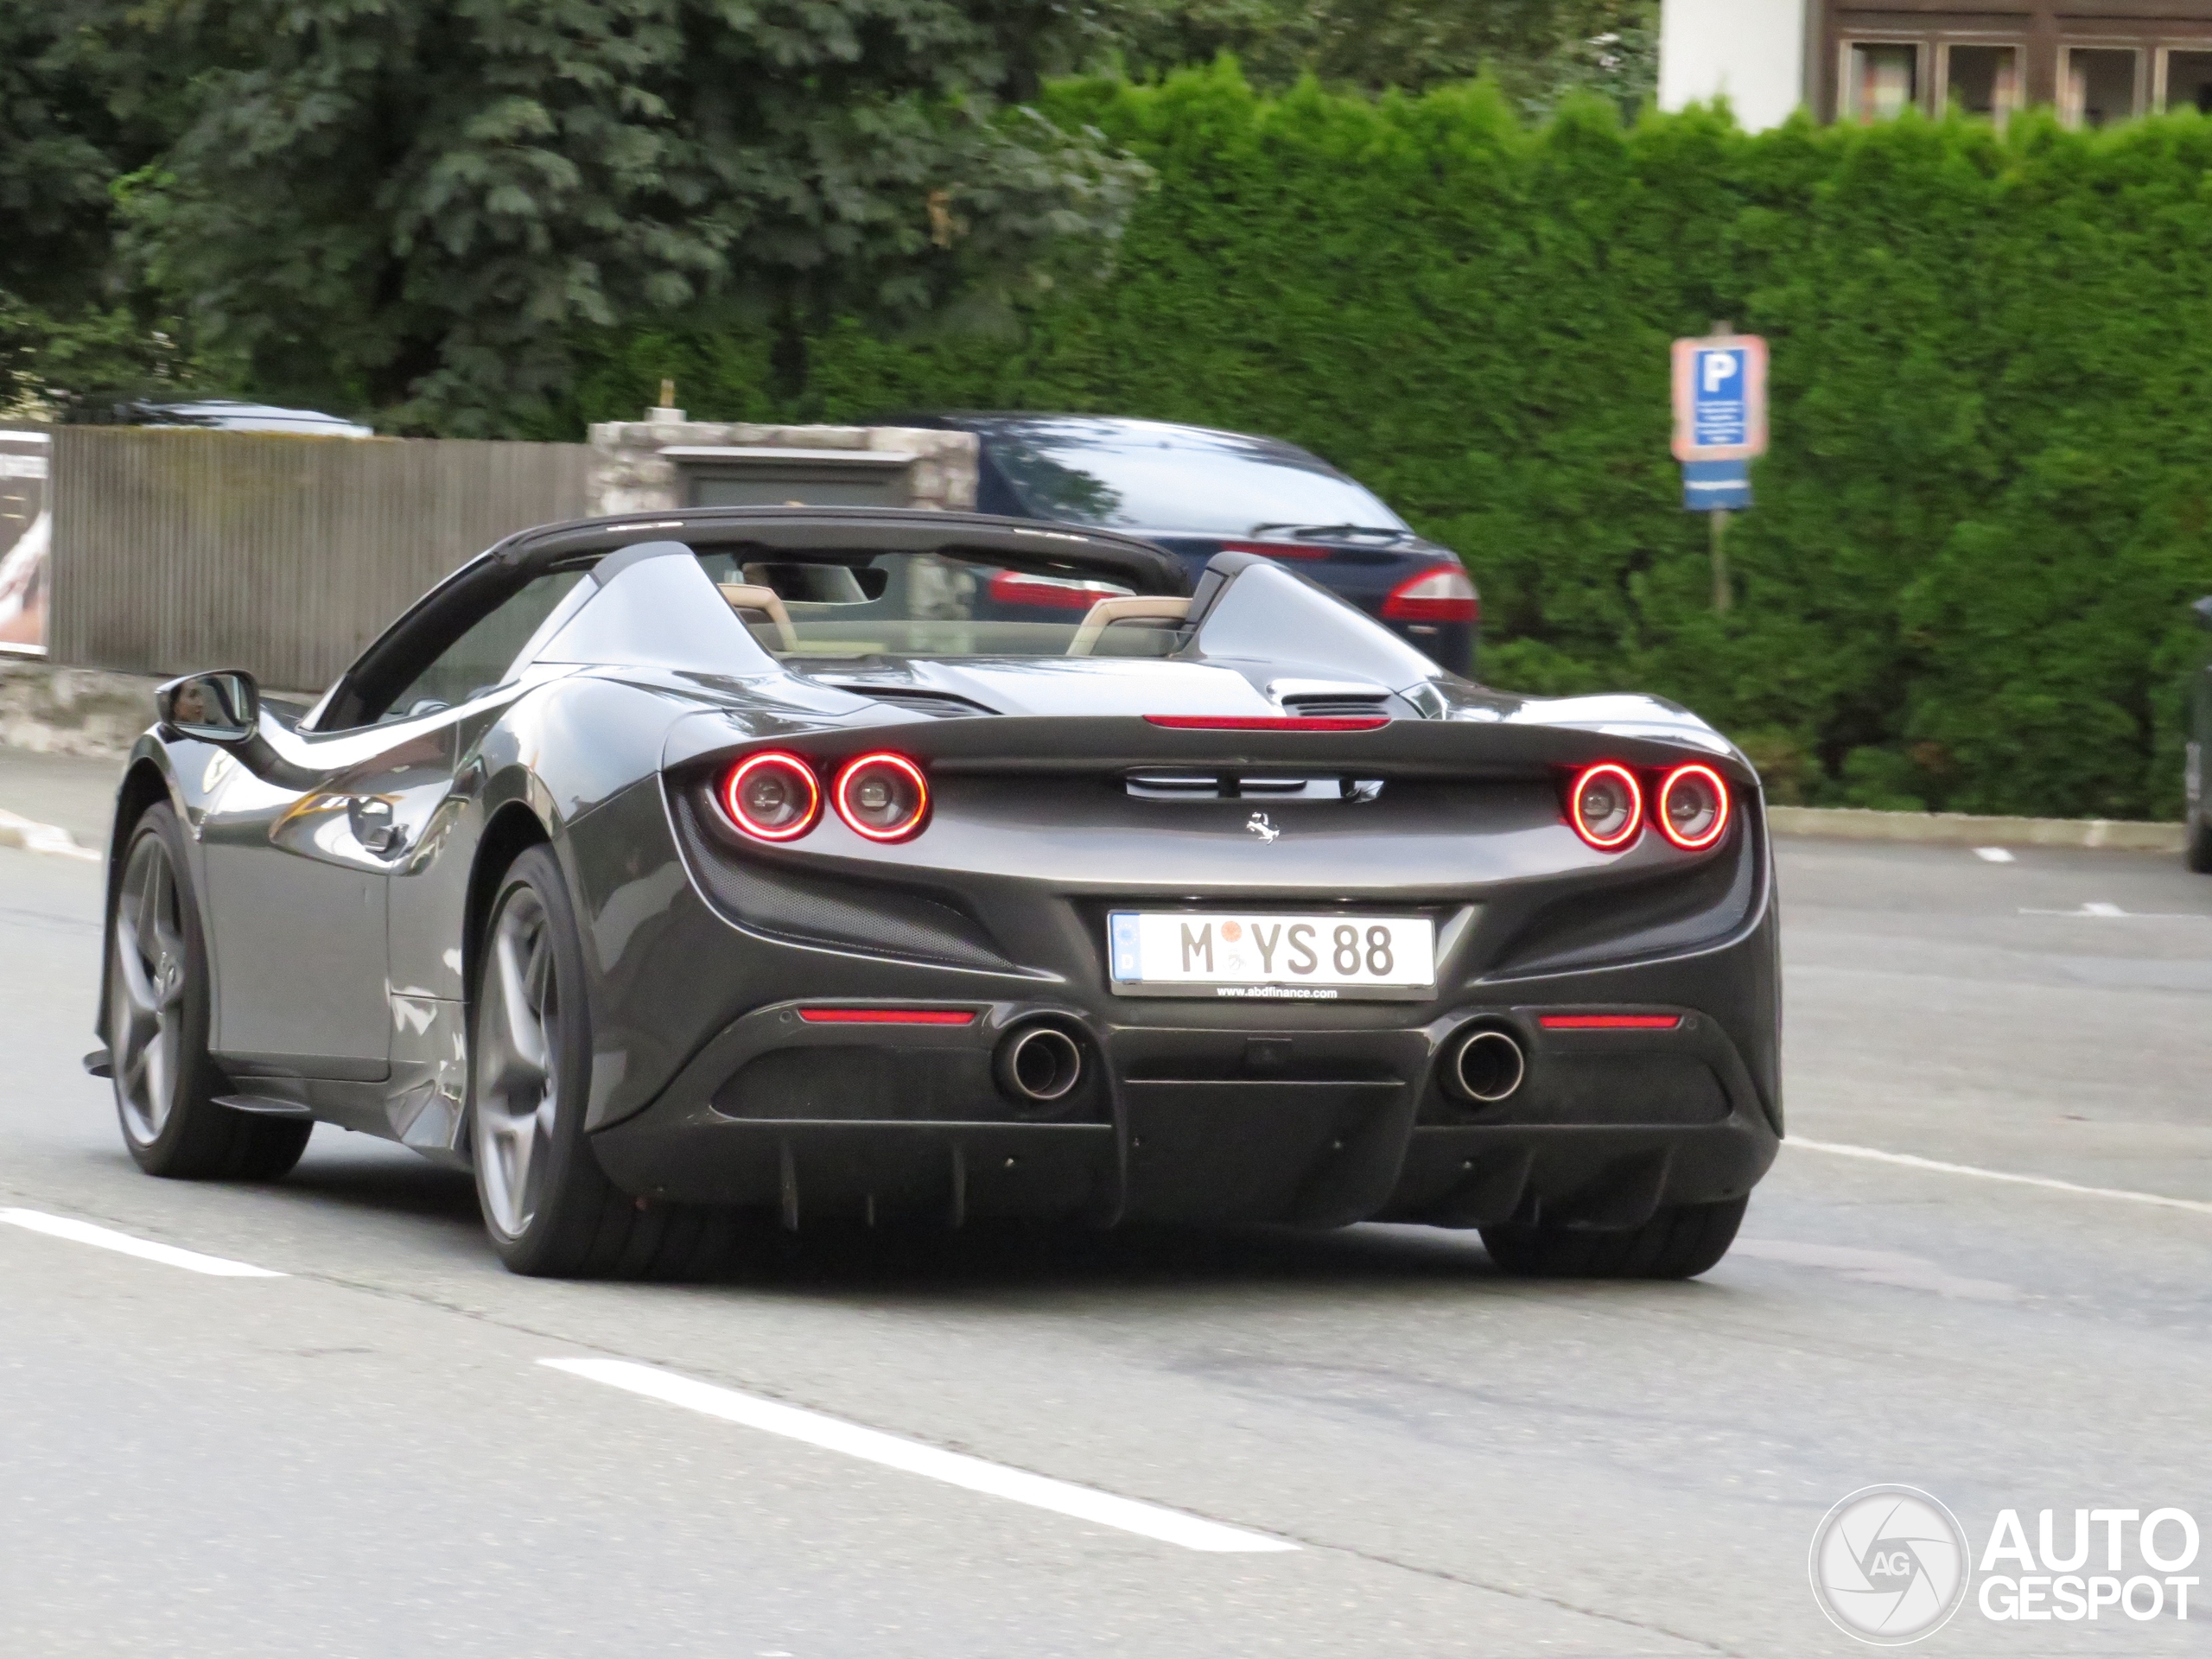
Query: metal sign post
{"x": 1720, "y": 425}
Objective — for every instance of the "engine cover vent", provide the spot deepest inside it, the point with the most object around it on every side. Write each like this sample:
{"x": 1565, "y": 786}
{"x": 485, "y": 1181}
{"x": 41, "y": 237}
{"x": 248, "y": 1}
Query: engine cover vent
{"x": 944, "y": 704}
{"x": 1337, "y": 707}
{"x": 1329, "y": 699}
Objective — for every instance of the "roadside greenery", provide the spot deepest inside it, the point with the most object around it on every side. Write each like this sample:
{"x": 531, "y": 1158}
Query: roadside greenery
{"x": 1536, "y": 50}
{"x": 412, "y": 207}
{"x": 1962, "y": 586}
{"x": 407, "y": 209}
{"x": 1990, "y": 494}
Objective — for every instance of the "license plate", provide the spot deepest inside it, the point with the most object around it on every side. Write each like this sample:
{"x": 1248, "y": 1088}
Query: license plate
{"x": 1296, "y": 958}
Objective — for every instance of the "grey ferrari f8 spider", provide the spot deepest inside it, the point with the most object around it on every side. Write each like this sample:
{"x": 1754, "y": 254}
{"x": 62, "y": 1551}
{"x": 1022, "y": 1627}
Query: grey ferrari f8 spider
{"x": 663, "y": 867}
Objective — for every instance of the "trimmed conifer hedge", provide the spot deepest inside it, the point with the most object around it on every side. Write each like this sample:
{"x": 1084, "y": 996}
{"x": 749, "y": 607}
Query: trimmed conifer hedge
{"x": 1990, "y": 493}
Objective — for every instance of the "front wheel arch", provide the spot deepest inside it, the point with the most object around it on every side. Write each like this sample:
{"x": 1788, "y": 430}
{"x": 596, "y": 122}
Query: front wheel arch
{"x": 144, "y": 787}
{"x": 514, "y": 829}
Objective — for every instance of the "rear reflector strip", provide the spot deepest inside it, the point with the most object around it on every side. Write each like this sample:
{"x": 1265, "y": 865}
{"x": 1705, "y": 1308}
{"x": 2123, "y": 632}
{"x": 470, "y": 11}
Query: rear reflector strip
{"x": 888, "y": 1016}
{"x": 1269, "y": 722}
{"x": 1609, "y": 1021}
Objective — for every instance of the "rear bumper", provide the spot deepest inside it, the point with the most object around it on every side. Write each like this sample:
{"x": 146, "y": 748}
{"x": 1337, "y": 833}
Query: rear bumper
{"x": 1314, "y": 1126}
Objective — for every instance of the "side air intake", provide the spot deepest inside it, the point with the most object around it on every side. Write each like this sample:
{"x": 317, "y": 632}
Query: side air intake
{"x": 1336, "y": 705}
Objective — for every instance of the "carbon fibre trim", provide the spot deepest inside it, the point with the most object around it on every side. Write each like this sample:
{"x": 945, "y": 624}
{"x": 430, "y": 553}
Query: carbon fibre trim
{"x": 880, "y": 921}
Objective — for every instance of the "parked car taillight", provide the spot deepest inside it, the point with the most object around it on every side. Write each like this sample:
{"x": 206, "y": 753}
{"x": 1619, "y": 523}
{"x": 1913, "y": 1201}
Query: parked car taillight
{"x": 1605, "y": 805}
{"x": 883, "y": 797}
{"x": 1054, "y": 593}
{"x": 773, "y": 795}
{"x": 1691, "y": 809}
{"x": 1442, "y": 592}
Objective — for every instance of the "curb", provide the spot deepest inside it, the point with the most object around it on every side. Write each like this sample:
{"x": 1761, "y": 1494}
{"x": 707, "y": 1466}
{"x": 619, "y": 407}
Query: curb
{"x": 42, "y": 838}
{"x": 1965, "y": 829}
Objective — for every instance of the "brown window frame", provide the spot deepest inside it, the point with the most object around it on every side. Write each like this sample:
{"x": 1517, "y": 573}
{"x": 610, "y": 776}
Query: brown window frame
{"x": 2161, "y": 50}
{"x": 1922, "y": 47}
{"x": 2142, "y": 52}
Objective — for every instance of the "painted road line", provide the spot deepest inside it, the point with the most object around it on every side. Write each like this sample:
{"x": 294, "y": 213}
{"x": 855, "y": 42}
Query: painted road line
{"x": 2102, "y": 909}
{"x": 955, "y": 1468}
{"x": 1993, "y": 855}
{"x": 34, "y": 837}
{"x": 2197, "y": 1205}
{"x": 83, "y": 1232}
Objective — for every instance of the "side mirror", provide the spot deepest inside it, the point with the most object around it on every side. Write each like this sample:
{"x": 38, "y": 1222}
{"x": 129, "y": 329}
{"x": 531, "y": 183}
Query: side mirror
{"x": 2203, "y": 609}
{"x": 224, "y": 707}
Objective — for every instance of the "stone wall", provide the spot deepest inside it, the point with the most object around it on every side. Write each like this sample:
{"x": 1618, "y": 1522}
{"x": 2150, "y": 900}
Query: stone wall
{"x": 631, "y": 473}
{"x": 58, "y": 710}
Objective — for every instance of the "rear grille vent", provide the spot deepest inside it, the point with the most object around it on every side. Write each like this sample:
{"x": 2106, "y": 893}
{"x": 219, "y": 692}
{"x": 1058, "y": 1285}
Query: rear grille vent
{"x": 1174, "y": 786}
{"x": 1248, "y": 786}
{"x": 1336, "y": 705}
{"x": 944, "y": 704}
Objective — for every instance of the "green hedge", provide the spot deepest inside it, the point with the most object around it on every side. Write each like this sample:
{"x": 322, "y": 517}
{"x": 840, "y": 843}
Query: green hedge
{"x": 1990, "y": 493}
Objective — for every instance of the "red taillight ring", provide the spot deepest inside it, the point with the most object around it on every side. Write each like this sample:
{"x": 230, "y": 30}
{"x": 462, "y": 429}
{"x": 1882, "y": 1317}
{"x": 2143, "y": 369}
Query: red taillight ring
{"x": 906, "y": 826}
{"x": 1628, "y": 832}
{"x": 1698, "y": 843}
{"x": 790, "y": 763}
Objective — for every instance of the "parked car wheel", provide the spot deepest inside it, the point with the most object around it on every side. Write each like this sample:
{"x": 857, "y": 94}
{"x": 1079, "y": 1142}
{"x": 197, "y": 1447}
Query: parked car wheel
{"x": 548, "y": 1206}
{"x": 165, "y": 1082}
{"x": 1681, "y": 1242}
{"x": 2197, "y": 847}
{"x": 2198, "y": 850}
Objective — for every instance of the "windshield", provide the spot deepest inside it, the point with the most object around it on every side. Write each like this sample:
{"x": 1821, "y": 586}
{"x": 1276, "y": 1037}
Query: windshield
{"x": 937, "y": 605}
{"x": 1164, "y": 479}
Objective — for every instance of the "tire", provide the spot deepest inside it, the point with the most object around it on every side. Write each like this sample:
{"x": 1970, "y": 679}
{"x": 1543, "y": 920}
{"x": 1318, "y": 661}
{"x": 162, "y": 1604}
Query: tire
{"x": 549, "y": 1208}
{"x": 160, "y": 993}
{"x": 2197, "y": 847}
{"x": 1681, "y": 1242}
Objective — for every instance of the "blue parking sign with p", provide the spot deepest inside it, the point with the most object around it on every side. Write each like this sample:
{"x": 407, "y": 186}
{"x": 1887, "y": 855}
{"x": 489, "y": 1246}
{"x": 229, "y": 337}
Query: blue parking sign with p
{"x": 1720, "y": 417}
{"x": 1720, "y": 398}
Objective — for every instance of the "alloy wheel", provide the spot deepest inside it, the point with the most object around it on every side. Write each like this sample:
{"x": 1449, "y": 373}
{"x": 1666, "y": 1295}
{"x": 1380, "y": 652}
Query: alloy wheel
{"x": 517, "y": 1090}
{"x": 149, "y": 985}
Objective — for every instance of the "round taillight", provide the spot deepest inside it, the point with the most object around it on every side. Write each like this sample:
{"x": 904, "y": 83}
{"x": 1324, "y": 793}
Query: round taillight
{"x": 1605, "y": 806}
{"x": 1693, "y": 807}
{"x": 883, "y": 797}
{"x": 772, "y": 797}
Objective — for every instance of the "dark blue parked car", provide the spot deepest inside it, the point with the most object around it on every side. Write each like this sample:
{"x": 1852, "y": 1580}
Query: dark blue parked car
{"x": 1198, "y": 493}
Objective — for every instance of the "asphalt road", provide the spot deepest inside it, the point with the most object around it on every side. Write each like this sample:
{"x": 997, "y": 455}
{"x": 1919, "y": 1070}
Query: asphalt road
{"x": 367, "y": 1456}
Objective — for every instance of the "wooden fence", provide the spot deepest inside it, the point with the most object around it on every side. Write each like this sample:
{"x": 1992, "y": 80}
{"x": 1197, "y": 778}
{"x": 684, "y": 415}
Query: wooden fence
{"x": 178, "y": 549}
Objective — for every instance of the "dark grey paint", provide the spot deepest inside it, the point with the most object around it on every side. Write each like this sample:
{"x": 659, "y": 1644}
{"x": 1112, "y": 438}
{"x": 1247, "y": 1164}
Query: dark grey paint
{"x": 341, "y": 872}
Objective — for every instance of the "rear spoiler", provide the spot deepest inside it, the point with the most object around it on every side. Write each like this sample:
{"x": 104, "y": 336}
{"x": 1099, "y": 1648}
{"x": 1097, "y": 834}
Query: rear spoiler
{"x": 1064, "y": 744}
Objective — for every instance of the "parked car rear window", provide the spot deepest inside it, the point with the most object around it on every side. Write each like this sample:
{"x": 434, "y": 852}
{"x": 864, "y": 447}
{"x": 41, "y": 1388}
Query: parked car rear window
{"x": 931, "y": 605}
{"x": 1180, "y": 483}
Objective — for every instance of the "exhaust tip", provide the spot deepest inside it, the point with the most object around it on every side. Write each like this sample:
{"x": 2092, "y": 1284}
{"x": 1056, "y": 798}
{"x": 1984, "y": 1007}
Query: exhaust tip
{"x": 1487, "y": 1065}
{"x": 1039, "y": 1063}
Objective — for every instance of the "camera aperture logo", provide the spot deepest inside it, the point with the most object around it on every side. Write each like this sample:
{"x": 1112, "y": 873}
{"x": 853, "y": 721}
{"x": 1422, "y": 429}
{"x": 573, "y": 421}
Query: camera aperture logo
{"x": 1889, "y": 1565}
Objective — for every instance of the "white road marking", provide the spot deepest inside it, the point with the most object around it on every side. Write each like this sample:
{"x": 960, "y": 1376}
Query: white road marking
{"x": 34, "y": 837}
{"x": 2197, "y": 1205}
{"x": 2106, "y": 911}
{"x": 1994, "y": 854}
{"x": 955, "y": 1468}
{"x": 83, "y": 1232}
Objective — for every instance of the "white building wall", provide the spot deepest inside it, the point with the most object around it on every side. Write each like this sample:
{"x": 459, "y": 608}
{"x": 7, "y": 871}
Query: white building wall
{"x": 1752, "y": 52}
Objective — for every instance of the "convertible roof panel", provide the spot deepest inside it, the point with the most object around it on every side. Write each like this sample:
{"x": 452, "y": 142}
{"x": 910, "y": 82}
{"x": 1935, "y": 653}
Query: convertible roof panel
{"x": 798, "y": 532}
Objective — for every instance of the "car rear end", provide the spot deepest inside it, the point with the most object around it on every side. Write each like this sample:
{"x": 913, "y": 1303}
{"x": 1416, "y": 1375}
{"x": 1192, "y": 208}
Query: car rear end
{"x": 1315, "y": 969}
